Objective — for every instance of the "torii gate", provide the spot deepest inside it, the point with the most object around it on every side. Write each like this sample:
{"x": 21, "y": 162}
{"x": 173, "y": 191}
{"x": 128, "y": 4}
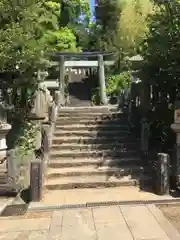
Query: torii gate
{"x": 62, "y": 58}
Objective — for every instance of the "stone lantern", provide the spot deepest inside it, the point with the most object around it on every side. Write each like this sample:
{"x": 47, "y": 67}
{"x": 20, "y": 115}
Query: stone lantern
{"x": 4, "y": 128}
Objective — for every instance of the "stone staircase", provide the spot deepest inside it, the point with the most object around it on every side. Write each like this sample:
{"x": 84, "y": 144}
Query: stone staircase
{"x": 5, "y": 188}
{"x": 93, "y": 148}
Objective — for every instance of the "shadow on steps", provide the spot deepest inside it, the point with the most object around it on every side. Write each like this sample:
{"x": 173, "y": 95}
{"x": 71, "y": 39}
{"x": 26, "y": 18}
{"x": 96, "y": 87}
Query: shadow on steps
{"x": 112, "y": 153}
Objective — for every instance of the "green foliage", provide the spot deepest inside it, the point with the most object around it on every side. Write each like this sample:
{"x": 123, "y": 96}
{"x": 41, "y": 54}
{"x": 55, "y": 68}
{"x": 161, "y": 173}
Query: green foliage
{"x": 27, "y": 30}
{"x": 22, "y": 138}
{"x": 71, "y": 11}
{"x": 27, "y": 139}
{"x": 118, "y": 82}
{"x": 95, "y": 99}
{"x": 121, "y": 26}
{"x": 75, "y": 14}
{"x": 19, "y": 95}
{"x": 59, "y": 40}
{"x": 133, "y": 24}
{"x": 162, "y": 46}
{"x": 161, "y": 69}
{"x": 19, "y": 44}
{"x": 104, "y": 33}
{"x": 56, "y": 35}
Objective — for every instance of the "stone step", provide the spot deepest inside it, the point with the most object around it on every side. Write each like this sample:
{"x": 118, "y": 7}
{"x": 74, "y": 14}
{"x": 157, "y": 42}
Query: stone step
{"x": 90, "y": 114}
{"x": 92, "y": 140}
{"x": 92, "y": 127}
{"x": 93, "y": 153}
{"x": 3, "y": 176}
{"x": 91, "y": 117}
{"x": 89, "y": 182}
{"x": 94, "y": 133}
{"x": 93, "y": 171}
{"x": 106, "y": 146}
{"x": 110, "y": 108}
{"x": 70, "y": 121}
{"x": 98, "y": 162}
{"x": 6, "y": 189}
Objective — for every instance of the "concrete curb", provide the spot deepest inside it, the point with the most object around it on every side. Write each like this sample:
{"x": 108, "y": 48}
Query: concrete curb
{"x": 36, "y": 206}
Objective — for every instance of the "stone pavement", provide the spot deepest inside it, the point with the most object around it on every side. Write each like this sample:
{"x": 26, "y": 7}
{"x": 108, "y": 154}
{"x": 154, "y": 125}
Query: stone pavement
{"x": 138, "y": 222}
{"x": 82, "y": 196}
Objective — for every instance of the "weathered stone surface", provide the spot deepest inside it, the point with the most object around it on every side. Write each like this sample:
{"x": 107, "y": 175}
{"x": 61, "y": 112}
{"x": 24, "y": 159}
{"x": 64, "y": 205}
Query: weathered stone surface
{"x": 107, "y": 215}
{"x": 113, "y": 147}
{"x": 103, "y": 223}
{"x": 116, "y": 231}
{"x": 56, "y": 226}
{"x": 24, "y": 224}
{"x": 24, "y": 235}
{"x": 142, "y": 223}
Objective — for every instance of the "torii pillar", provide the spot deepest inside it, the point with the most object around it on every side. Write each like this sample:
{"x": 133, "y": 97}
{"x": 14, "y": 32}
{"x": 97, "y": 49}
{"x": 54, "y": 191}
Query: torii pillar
{"x": 102, "y": 83}
{"x": 61, "y": 80}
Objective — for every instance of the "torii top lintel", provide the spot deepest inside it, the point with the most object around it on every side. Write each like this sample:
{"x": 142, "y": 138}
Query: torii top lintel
{"x": 58, "y": 55}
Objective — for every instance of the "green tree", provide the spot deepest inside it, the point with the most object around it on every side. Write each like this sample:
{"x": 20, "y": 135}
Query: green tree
{"x": 53, "y": 35}
{"x": 161, "y": 49}
{"x": 133, "y": 24}
{"x": 19, "y": 43}
{"x": 122, "y": 24}
{"x": 75, "y": 14}
{"x": 161, "y": 69}
{"x": 107, "y": 17}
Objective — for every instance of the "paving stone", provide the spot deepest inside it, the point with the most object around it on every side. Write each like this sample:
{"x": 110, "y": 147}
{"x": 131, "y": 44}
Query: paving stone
{"x": 115, "y": 231}
{"x": 56, "y": 226}
{"x": 14, "y": 235}
{"x": 142, "y": 223}
{"x": 78, "y": 224}
{"x": 55, "y": 232}
{"x": 169, "y": 229}
{"x": 78, "y": 217}
{"x": 37, "y": 235}
{"x": 24, "y": 235}
{"x": 107, "y": 215}
{"x": 77, "y": 232}
{"x": 8, "y": 225}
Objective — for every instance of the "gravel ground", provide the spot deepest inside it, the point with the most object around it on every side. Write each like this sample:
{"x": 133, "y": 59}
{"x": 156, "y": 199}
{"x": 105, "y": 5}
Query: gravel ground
{"x": 172, "y": 212}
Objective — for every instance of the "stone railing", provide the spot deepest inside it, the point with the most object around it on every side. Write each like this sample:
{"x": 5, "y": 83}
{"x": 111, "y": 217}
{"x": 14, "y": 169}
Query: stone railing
{"x": 130, "y": 100}
{"x": 156, "y": 163}
{"x": 40, "y": 162}
{"x": 29, "y": 172}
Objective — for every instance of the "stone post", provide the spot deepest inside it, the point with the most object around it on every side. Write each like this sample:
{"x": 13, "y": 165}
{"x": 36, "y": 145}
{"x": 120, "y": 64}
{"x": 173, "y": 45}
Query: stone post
{"x": 145, "y": 97}
{"x": 103, "y": 97}
{"x": 36, "y": 180}
{"x": 176, "y": 128}
{"x": 162, "y": 174}
{"x": 144, "y": 136}
{"x": 61, "y": 80}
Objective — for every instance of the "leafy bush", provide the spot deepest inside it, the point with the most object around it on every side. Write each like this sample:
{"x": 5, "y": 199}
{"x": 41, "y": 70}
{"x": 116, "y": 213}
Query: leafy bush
{"x": 118, "y": 82}
{"x": 95, "y": 98}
